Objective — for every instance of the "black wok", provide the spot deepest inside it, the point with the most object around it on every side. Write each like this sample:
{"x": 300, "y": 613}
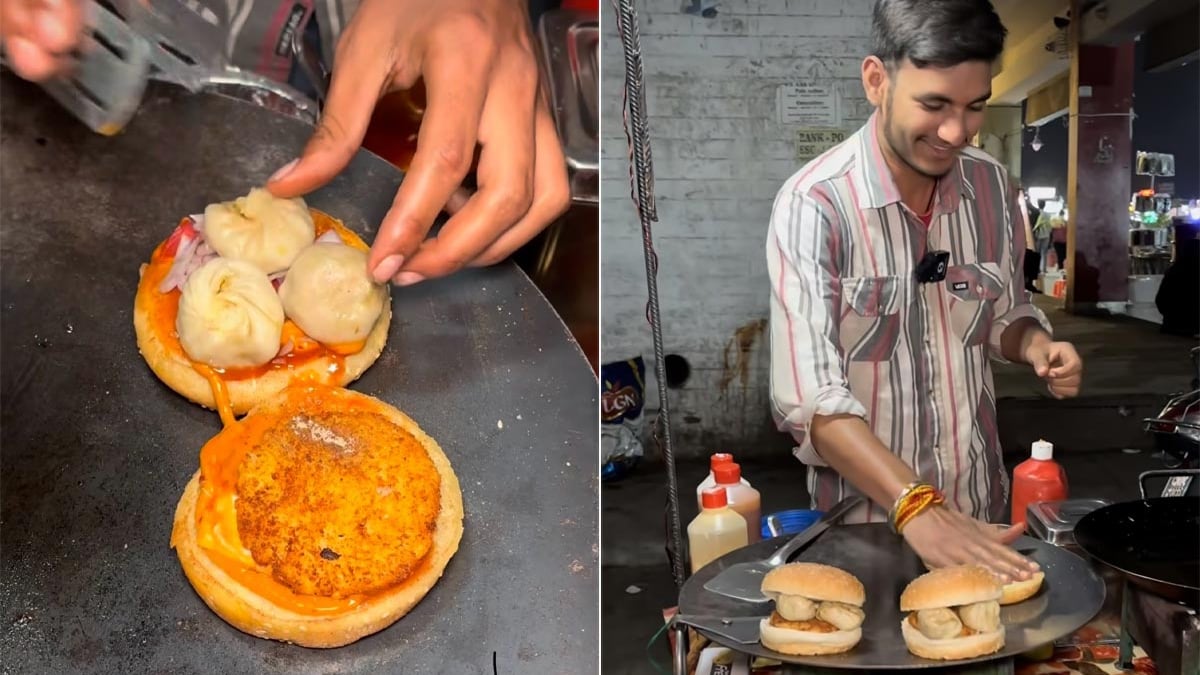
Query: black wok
{"x": 1153, "y": 543}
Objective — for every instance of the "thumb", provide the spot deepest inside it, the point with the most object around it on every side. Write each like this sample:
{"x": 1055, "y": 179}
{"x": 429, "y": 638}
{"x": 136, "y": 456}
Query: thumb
{"x": 352, "y": 98}
{"x": 1011, "y": 533}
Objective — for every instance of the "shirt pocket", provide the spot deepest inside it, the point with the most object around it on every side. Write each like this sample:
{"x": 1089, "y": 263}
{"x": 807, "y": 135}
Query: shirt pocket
{"x": 974, "y": 289}
{"x": 872, "y": 315}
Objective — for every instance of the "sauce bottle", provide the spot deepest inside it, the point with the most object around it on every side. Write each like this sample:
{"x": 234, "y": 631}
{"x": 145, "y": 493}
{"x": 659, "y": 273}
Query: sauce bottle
{"x": 710, "y": 480}
{"x": 716, "y": 531}
{"x": 1037, "y": 479}
{"x": 742, "y": 498}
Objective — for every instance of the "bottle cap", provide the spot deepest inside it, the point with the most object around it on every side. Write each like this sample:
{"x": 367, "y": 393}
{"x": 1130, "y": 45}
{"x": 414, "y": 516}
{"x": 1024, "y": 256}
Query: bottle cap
{"x": 1043, "y": 450}
{"x": 718, "y": 459}
{"x": 728, "y": 474}
{"x": 714, "y": 498}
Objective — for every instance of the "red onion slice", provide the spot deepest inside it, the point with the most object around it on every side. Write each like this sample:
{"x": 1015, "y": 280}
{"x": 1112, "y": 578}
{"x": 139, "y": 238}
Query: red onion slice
{"x": 180, "y": 265}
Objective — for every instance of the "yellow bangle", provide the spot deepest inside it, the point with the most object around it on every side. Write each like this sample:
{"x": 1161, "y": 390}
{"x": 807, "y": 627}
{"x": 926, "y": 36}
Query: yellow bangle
{"x": 916, "y": 502}
{"x": 900, "y": 499}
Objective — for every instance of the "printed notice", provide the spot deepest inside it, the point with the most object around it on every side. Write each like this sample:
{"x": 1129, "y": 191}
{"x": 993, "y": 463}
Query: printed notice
{"x": 809, "y": 105}
{"x": 812, "y": 142}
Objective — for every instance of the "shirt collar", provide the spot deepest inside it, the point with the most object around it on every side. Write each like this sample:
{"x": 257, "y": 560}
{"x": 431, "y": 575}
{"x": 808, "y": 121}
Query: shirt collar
{"x": 880, "y": 187}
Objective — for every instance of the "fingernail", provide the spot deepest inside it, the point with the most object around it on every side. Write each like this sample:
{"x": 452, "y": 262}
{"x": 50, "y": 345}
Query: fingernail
{"x": 388, "y": 268}
{"x": 283, "y": 170}
{"x": 408, "y": 278}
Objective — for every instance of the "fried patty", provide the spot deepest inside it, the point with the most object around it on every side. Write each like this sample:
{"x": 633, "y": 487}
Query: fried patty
{"x": 809, "y": 626}
{"x": 338, "y": 503}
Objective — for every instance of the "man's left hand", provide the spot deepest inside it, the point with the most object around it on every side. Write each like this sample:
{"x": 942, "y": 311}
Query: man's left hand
{"x": 1058, "y": 364}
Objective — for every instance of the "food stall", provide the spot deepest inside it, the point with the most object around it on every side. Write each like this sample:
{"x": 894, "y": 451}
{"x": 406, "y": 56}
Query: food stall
{"x": 1080, "y": 620}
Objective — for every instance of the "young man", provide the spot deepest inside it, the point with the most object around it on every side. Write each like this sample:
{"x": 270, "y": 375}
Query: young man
{"x": 879, "y": 364}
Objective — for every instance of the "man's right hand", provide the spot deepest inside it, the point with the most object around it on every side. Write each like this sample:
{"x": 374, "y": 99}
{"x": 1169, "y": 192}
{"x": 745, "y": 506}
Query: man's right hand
{"x": 39, "y": 35}
{"x": 943, "y": 537}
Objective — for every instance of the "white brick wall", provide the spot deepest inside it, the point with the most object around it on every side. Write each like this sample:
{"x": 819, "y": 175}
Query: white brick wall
{"x": 720, "y": 155}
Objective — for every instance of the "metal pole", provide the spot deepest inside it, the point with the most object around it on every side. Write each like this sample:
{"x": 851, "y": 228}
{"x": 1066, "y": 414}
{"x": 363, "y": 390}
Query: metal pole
{"x": 642, "y": 184}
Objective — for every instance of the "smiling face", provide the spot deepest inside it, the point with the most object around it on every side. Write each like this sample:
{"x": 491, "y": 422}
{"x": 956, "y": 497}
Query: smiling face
{"x": 928, "y": 114}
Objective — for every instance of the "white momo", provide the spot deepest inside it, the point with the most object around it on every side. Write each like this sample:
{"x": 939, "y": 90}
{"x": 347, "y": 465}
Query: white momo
{"x": 229, "y": 315}
{"x": 330, "y": 295}
{"x": 261, "y": 229}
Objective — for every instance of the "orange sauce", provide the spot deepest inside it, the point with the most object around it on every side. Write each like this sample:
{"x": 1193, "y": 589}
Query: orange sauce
{"x": 216, "y": 508}
{"x": 305, "y": 349}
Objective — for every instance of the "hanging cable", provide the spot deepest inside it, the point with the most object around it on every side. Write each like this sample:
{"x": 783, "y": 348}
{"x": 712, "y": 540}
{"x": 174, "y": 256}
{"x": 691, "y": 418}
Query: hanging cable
{"x": 641, "y": 179}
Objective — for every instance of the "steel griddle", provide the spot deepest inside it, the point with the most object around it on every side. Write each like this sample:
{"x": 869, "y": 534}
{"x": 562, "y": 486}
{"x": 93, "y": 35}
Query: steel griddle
{"x": 96, "y": 451}
{"x": 1071, "y": 595}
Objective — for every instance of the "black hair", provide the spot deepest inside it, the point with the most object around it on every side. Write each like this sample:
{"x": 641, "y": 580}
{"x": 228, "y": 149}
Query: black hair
{"x": 940, "y": 33}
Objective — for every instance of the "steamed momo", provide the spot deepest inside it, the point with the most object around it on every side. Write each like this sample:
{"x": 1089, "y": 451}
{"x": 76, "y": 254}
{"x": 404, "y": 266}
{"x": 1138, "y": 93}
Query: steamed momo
{"x": 260, "y": 229}
{"x": 229, "y": 315}
{"x": 330, "y": 295}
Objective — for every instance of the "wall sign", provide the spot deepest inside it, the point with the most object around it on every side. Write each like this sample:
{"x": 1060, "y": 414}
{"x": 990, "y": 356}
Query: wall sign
{"x": 810, "y": 105}
{"x": 812, "y": 142}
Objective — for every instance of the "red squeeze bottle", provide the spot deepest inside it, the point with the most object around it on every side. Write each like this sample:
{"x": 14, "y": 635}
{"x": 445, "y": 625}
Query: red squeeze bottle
{"x": 1037, "y": 479}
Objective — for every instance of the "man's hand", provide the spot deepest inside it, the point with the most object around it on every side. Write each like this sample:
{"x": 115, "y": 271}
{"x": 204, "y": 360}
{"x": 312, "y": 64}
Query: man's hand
{"x": 39, "y": 35}
{"x": 482, "y": 83}
{"x": 1058, "y": 364}
{"x": 943, "y": 537}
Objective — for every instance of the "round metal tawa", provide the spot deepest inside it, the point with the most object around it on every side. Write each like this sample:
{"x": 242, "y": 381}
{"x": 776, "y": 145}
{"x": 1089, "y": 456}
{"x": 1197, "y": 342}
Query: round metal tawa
{"x": 96, "y": 451}
{"x": 1070, "y": 596}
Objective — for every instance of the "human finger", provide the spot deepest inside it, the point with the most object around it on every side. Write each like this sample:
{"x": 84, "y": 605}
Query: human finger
{"x": 30, "y": 61}
{"x": 355, "y": 88}
{"x": 456, "y": 83}
{"x": 551, "y": 192}
{"x": 505, "y": 177}
{"x": 57, "y": 25}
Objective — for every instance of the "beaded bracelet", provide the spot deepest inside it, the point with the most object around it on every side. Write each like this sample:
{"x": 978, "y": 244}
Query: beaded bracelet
{"x": 912, "y": 502}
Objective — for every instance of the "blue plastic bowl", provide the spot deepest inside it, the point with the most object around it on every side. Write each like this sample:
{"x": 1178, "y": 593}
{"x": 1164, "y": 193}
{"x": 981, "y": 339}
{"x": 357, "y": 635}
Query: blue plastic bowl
{"x": 789, "y": 522}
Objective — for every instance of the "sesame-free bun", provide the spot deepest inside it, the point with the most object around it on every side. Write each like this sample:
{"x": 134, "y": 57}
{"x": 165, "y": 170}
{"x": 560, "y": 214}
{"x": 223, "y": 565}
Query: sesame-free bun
{"x": 806, "y": 643}
{"x": 953, "y": 649}
{"x": 154, "y": 315}
{"x": 1018, "y": 591}
{"x": 950, "y": 587}
{"x": 816, "y": 582}
{"x": 341, "y": 439}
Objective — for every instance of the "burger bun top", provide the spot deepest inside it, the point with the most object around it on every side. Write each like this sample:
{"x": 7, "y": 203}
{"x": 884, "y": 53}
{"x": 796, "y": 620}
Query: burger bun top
{"x": 816, "y": 582}
{"x": 950, "y": 587}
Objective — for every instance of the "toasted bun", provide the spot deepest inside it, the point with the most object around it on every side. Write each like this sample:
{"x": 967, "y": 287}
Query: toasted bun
{"x": 253, "y": 614}
{"x": 815, "y": 582}
{"x": 803, "y": 643}
{"x": 1022, "y": 590}
{"x": 168, "y": 361}
{"x": 979, "y": 644}
{"x": 950, "y": 587}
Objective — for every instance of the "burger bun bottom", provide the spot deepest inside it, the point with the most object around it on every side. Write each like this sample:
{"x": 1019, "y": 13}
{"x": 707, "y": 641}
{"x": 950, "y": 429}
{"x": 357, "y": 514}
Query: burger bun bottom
{"x": 1019, "y": 591}
{"x": 979, "y": 644}
{"x": 803, "y": 643}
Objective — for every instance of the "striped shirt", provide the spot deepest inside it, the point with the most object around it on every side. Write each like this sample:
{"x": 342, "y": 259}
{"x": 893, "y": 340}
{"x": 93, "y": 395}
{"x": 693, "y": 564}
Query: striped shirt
{"x": 853, "y": 332}
{"x": 258, "y": 33}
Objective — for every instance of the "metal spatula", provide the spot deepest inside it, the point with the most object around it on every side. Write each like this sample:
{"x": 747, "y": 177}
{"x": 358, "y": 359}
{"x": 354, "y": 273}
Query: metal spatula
{"x": 743, "y": 581}
{"x": 106, "y": 84}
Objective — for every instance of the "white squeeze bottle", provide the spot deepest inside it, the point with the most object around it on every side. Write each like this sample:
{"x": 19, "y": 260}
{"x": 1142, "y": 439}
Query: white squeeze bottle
{"x": 711, "y": 480}
{"x": 742, "y": 498}
{"x": 716, "y": 531}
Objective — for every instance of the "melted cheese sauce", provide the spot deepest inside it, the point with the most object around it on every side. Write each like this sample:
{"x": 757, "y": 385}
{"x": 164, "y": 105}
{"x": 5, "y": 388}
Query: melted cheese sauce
{"x": 216, "y": 506}
{"x": 216, "y": 513}
{"x": 305, "y": 350}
